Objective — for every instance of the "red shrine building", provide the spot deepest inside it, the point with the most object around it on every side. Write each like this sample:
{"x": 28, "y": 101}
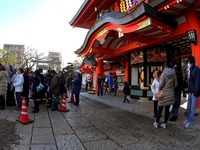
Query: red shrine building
{"x": 133, "y": 38}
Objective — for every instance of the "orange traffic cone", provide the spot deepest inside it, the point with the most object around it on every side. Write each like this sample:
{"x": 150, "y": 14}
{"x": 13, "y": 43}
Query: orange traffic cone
{"x": 23, "y": 118}
{"x": 72, "y": 98}
{"x": 63, "y": 107}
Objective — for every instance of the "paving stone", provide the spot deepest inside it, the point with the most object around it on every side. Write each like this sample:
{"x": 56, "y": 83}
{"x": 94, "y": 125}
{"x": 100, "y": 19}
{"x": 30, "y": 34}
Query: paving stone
{"x": 90, "y": 134}
{"x": 42, "y": 122}
{"x": 42, "y": 131}
{"x": 43, "y": 147}
{"x": 20, "y": 147}
{"x": 43, "y": 139}
{"x": 68, "y": 142}
{"x": 72, "y": 114}
{"x": 42, "y": 136}
{"x": 76, "y": 122}
{"x": 62, "y": 128}
{"x": 102, "y": 145}
{"x": 20, "y": 128}
{"x": 25, "y": 138}
{"x": 122, "y": 137}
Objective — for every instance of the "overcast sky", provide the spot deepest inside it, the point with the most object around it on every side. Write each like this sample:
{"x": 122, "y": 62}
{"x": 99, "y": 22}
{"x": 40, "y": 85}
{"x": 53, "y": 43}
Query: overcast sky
{"x": 42, "y": 25}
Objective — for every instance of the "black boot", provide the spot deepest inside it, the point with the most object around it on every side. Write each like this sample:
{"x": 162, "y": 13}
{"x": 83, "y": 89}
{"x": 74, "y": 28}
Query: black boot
{"x": 173, "y": 118}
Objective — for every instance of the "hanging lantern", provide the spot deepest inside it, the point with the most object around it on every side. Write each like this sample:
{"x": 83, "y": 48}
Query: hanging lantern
{"x": 192, "y": 36}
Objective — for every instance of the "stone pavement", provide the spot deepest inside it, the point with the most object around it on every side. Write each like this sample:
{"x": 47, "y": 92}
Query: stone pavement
{"x": 102, "y": 123}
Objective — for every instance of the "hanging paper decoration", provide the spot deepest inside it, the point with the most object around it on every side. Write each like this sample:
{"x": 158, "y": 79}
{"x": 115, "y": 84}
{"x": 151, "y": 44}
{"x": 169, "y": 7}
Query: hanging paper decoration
{"x": 122, "y": 6}
{"x": 116, "y": 7}
{"x": 128, "y": 4}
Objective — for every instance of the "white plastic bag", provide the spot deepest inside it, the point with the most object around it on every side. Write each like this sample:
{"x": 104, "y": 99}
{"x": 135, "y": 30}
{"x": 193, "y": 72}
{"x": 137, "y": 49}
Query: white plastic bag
{"x": 171, "y": 108}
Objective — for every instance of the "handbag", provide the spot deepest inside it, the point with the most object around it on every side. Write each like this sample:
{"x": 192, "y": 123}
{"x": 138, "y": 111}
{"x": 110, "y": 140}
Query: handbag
{"x": 40, "y": 86}
{"x": 159, "y": 95}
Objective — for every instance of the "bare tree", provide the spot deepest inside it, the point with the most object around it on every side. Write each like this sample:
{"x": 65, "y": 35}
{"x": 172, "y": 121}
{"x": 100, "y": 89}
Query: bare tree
{"x": 32, "y": 57}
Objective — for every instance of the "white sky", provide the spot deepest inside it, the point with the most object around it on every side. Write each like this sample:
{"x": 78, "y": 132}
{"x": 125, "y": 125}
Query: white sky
{"x": 46, "y": 28}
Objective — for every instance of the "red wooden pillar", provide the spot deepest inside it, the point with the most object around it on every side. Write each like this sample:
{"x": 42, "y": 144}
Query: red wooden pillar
{"x": 99, "y": 70}
{"x": 126, "y": 72}
{"x": 193, "y": 24}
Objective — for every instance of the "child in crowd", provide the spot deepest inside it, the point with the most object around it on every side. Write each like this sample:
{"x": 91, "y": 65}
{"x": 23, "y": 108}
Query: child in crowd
{"x": 154, "y": 89}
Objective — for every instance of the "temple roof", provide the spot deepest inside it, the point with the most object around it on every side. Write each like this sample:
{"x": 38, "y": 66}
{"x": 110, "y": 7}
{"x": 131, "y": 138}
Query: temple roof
{"x": 122, "y": 19}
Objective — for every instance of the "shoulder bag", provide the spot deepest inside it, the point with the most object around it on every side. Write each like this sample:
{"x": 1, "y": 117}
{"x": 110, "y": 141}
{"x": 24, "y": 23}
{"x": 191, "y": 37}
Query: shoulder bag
{"x": 160, "y": 93}
{"x": 40, "y": 86}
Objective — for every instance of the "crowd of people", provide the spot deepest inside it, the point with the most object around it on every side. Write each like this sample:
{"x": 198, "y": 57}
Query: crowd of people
{"x": 20, "y": 83}
{"x": 15, "y": 84}
{"x": 170, "y": 81}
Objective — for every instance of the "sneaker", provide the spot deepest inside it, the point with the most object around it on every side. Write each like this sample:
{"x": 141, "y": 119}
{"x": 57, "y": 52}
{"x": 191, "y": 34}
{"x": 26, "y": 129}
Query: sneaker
{"x": 185, "y": 122}
{"x": 155, "y": 125}
{"x": 188, "y": 125}
{"x": 163, "y": 125}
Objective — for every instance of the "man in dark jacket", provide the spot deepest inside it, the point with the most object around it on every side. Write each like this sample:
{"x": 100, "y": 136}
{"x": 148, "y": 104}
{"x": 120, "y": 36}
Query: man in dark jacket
{"x": 177, "y": 92}
{"x": 55, "y": 89}
{"x": 77, "y": 82}
{"x": 193, "y": 90}
{"x": 25, "y": 92}
{"x": 100, "y": 85}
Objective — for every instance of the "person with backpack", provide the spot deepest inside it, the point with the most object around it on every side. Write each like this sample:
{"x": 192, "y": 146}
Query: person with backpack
{"x": 193, "y": 90}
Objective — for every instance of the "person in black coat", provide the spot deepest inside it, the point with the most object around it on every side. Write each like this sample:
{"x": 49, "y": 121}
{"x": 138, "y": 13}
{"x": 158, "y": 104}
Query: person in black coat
{"x": 100, "y": 85}
{"x": 43, "y": 91}
{"x": 126, "y": 91}
{"x": 35, "y": 93}
{"x": 77, "y": 82}
{"x": 177, "y": 92}
{"x": 25, "y": 92}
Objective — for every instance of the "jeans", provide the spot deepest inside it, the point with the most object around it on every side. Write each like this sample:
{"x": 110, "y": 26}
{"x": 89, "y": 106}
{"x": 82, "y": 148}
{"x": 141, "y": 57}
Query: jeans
{"x": 19, "y": 99}
{"x": 77, "y": 98}
{"x": 100, "y": 90}
{"x": 191, "y": 106}
{"x": 55, "y": 102}
{"x": 2, "y": 101}
{"x": 160, "y": 109}
{"x": 155, "y": 103}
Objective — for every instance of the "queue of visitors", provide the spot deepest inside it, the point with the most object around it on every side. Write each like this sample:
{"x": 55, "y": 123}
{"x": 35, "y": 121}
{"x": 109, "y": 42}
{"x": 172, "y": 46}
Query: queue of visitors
{"x": 15, "y": 84}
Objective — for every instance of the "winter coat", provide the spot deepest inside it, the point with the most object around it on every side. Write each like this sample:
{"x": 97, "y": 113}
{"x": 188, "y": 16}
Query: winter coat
{"x": 178, "y": 89}
{"x": 3, "y": 82}
{"x": 42, "y": 92}
{"x": 77, "y": 82}
{"x": 18, "y": 83}
{"x": 168, "y": 82}
{"x": 126, "y": 90}
{"x": 100, "y": 82}
{"x": 55, "y": 85}
{"x": 155, "y": 87}
{"x": 12, "y": 79}
{"x": 26, "y": 84}
{"x": 194, "y": 81}
{"x": 36, "y": 82}
{"x": 110, "y": 80}
{"x": 62, "y": 85}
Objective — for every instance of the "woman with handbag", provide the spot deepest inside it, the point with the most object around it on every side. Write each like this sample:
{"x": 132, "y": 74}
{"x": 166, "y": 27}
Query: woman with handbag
{"x": 168, "y": 82}
{"x": 155, "y": 89}
{"x": 35, "y": 93}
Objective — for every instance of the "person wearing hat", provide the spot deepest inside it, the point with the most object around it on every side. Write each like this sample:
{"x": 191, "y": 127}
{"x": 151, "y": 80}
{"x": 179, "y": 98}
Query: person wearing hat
{"x": 77, "y": 82}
